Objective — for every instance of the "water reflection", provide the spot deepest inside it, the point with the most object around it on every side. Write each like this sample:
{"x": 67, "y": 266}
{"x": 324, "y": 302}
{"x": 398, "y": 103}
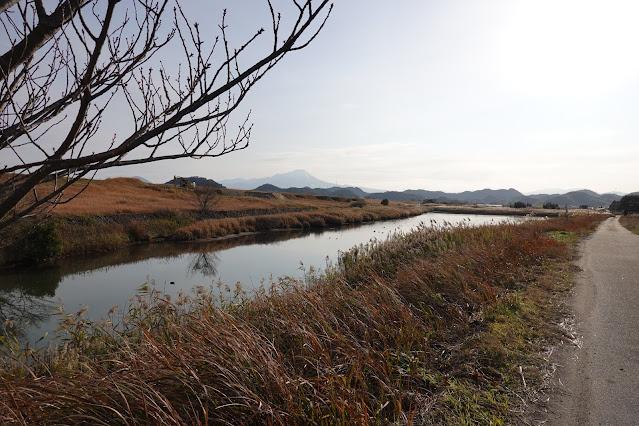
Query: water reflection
{"x": 29, "y": 295}
{"x": 26, "y": 299}
{"x": 204, "y": 264}
{"x": 173, "y": 250}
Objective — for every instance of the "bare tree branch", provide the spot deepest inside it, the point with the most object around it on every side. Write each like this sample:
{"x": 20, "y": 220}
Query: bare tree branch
{"x": 6, "y": 4}
{"x": 68, "y": 70}
{"x": 44, "y": 31}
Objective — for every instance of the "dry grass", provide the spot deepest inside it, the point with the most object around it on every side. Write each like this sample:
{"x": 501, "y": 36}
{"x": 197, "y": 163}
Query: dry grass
{"x": 473, "y": 209}
{"x": 630, "y": 222}
{"x": 435, "y": 326}
{"x": 299, "y": 220}
{"x": 128, "y": 195}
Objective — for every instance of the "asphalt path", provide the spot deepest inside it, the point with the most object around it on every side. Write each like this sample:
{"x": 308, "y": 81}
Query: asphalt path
{"x": 598, "y": 378}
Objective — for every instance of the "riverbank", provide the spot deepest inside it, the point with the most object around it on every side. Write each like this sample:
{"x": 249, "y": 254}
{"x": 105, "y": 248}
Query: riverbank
{"x": 66, "y": 236}
{"x": 497, "y": 210}
{"x": 441, "y": 326}
{"x": 114, "y": 213}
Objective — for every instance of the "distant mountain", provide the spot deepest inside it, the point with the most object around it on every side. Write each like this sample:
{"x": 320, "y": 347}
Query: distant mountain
{"x": 141, "y": 179}
{"x": 334, "y": 191}
{"x": 267, "y": 187}
{"x": 301, "y": 182}
{"x": 491, "y": 196}
{"x": 409, "y": 195}
{"x": 200, "y": 181}
{"x": 547, "y": 191}
{"x": 503, "y": 197}
{"x": 583, "y": 197}
{"x": 483, "y": 196}
{"x": 296, "y": 178}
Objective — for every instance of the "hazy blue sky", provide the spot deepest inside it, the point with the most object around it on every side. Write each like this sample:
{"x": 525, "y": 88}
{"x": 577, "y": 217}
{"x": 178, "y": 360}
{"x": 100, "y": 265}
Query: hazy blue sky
{"x": 447, "y": 95}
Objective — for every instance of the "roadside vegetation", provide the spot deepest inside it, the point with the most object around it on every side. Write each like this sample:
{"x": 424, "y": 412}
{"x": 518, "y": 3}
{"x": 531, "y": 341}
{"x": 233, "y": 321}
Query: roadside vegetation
{"x": 630, "y": 222}
{"x": 444, "y": 326}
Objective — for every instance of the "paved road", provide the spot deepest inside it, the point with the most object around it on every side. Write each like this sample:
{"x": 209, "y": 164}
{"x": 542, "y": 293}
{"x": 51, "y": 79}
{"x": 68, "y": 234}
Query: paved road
{"x": 599, "y": 382}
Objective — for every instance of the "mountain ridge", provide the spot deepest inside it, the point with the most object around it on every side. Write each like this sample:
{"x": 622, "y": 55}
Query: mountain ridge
{"x": 294, "y": 179}
{"x": 300, "y": 181}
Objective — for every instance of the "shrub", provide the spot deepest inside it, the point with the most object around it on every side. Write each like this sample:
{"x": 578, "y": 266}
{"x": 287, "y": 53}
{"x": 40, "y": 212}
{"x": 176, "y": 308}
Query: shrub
{"x": 334, "y": 220}
{"x": 519, "y": 205}
{"x": 138, "y": 232}
{"x": 358, "y": 203}
{"x": 551, "y": 206}
{"x": 385, "y": 202}
{"x": 317, "y": 222}
{"x": 43, "y": 242}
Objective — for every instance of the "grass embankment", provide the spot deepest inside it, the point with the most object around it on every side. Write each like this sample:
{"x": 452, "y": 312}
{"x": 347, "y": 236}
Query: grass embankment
{"x": 327, "y": 217}
{"x": 630, "y": 222}
{"x": 116, "y": 212}
{"x": 440, "y": 326}
{"x": 509, "y": 211}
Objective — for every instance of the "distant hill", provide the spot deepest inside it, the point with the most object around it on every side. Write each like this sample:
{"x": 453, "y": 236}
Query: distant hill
{"x": 294, "y": 179}
{"x": 301, "y": 182}
{"x": 491, "y": 196}
{"x": 503, "y": 197}
{"x": 200, "y": 181}
{"x": 140, "y": 178}
{"x": 583, "y": 197}
{"x": 483, "y": 196}
{"x": 408, "y": 195}
{"x": 334, "y": 191}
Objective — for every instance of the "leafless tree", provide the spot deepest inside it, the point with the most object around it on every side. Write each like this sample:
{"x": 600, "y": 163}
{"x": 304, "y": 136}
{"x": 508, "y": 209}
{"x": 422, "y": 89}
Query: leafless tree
{"x": 205, "y": 198}
{"x": 65, "y": 70}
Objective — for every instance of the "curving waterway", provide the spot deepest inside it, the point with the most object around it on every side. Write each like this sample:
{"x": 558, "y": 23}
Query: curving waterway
{"x": 29, "y": 297}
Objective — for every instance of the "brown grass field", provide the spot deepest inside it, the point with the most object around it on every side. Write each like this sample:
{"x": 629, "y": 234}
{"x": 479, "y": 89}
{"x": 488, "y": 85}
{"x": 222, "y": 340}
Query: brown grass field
{"x": 128, "y": 195}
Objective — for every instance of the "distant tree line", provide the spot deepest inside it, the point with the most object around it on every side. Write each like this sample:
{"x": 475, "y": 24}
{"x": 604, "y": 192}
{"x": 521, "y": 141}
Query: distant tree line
{"x": 627, "y": 204}
{"x": 552, "y": 206}
{"x": 521, "y": 205}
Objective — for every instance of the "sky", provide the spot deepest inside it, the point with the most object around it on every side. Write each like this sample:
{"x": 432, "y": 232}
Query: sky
{"x": 444, "y": 95}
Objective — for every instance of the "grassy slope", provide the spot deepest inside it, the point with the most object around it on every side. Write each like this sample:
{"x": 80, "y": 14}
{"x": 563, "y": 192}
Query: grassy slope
{"x": 442, "y": 326}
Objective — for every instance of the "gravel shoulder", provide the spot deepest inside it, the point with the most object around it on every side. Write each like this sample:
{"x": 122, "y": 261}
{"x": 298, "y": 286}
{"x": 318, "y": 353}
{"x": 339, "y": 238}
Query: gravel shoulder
{"x": 597, "y": 382}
